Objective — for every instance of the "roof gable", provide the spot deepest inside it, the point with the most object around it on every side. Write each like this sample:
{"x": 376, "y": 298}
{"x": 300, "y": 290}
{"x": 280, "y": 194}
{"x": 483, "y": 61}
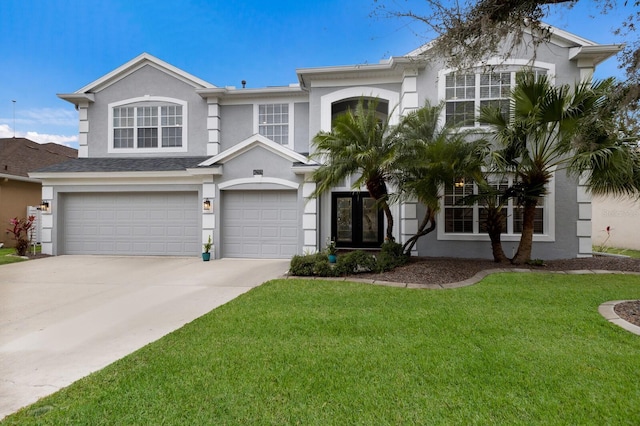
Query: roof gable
{"x": 252, "y": 142}
{"x": 137, "y": 63}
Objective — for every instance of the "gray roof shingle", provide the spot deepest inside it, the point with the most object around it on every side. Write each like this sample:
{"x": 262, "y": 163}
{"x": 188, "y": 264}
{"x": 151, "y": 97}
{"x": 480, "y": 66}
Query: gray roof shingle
{"x": 155, "y": 164}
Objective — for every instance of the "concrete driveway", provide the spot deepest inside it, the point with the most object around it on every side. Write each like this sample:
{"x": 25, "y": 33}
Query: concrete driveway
{"x": 62, "y": 318}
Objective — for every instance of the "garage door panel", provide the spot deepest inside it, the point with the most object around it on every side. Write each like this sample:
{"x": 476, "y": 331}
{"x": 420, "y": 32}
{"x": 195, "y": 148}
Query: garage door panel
{"x": 261, "y": 224}
{"x": 288, "y": 232}
{"x": 131, "y": 224}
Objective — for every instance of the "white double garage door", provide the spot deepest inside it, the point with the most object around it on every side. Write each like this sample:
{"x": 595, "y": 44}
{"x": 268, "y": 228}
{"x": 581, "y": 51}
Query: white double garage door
{"x": 254, "y": 224}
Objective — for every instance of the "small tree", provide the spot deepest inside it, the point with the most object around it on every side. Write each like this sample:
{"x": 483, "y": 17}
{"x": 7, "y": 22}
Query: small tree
{"x": 358, "y": 143}
{"x": 429, "y": 156}
{"x": 21, "y": 233}
{"x": 561, "y": 128}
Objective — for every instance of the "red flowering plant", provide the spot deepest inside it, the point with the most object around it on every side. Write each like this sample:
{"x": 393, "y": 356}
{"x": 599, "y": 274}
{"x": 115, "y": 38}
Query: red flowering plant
{"x": 20, "y": 231}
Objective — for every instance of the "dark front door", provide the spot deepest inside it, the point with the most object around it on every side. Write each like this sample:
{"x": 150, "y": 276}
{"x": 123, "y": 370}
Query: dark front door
{"x": 355, "y": 220}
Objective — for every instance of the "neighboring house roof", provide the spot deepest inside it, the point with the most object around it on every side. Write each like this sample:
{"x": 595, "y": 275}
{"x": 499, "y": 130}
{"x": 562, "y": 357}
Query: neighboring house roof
{"x": 155, "y": 164}
{"x": 19, "y": 156}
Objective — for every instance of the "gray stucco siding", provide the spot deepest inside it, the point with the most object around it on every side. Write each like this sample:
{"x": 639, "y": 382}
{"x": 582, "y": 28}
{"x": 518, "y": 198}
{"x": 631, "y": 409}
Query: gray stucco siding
{"x": 272, "y": 165}
{"x": 301, "y": 136}
{"x": 236, "y": 124}
{"x": 153, "y": 82}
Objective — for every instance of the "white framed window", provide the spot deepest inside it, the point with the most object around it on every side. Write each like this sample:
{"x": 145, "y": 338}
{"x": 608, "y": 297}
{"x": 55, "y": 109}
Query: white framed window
{"x": 465, "y": 93}
{"x": 148, "y": 124}
{"x": 274, "y": 122}
{"x": 467, "y": 222}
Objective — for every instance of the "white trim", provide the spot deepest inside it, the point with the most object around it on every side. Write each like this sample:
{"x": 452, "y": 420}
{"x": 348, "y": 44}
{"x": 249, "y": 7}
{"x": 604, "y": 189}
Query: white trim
{"x": 253, "y": 142}
{"x": 137, "y": 63}
{"x": 290, "y": 119}
{"x": 549, "y": 214}
{"x": 135, "y": 103}
{"x": 29, "y": 179}
{"x": 477, "y": 70}
{"x": 261, "y": 181}
{"x": 393, "y": 98}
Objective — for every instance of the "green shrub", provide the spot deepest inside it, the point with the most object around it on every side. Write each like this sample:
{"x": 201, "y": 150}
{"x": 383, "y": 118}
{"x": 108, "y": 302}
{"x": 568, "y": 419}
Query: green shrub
{"x": 390, "y": 257}
{"x": 355, "y": 262}
{"x": 305, "y": 265}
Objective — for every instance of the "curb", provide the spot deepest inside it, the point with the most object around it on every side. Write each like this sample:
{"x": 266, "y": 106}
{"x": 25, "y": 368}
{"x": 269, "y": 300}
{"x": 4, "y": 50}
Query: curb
{"x": 608, "y": 312}
{"x": 465, "y": 283}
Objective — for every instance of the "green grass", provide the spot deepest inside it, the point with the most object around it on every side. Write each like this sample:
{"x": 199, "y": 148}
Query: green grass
{"x": 514, "y": 349}
{"x": 4, "y": 259}
{"x": 613, "y": 250}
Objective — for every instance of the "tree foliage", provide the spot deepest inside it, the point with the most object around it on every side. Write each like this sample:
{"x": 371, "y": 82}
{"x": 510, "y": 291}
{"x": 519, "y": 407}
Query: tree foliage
{"x": 467, "y": 32}
{"x": 359, "y": 144}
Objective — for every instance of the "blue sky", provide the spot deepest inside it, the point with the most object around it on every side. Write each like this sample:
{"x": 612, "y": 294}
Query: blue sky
{"x": 58, "y": 46}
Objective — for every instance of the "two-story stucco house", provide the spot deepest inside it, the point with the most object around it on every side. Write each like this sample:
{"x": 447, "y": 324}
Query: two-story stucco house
{"x": 168, "y": 159}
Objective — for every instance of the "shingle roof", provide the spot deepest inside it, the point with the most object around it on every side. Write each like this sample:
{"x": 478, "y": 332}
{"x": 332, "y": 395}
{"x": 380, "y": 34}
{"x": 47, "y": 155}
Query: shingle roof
{"x": 161, "y": 164}
{"x": 19, "y": 156}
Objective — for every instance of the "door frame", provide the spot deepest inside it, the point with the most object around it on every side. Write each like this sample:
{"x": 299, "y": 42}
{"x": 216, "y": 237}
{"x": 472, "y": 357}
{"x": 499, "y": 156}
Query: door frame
{"x": 356, "y": 220}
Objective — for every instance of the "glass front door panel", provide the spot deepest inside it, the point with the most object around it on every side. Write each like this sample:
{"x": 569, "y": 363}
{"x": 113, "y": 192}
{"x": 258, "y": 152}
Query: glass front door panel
{"x": 369, "y": 220}
{"x": 356, "y": 221}
{"x": 345, "y": 220}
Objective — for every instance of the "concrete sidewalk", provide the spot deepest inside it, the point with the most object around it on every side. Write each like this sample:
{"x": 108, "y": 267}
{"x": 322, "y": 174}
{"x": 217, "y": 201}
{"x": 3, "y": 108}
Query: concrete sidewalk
{"x": 62, "y": 318}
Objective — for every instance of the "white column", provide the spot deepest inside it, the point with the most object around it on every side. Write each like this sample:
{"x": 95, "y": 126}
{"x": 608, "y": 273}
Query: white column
{"x": 309, "y": 218}
{"x": 409, "y": 223}
{"x": 409, "y": 95}
{"x": 83, "y": 129}
{"x": 47, "y": 221}
{"x": 213, "y": 126}
{"x": 583, "y": 224}
{"x": 208, "y": 216}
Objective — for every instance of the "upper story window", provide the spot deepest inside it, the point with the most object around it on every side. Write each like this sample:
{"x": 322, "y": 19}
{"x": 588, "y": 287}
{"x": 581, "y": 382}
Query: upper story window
{"x": 273, "y": 122}
{"x": 148, "y": 124}
{"x": 465, "y": 94}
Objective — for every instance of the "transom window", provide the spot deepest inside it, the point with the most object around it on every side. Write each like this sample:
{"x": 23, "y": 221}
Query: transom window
{"x": 273, "y": 122}
{"x": 147, "y": 125}
{"x": 470, "y": 219}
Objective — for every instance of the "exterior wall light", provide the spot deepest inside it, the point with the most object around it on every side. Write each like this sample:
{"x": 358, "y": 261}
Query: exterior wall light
{"x": 206, "y": 206}
{"x": 44, "y": 206}
{"x": 459, "y": 183}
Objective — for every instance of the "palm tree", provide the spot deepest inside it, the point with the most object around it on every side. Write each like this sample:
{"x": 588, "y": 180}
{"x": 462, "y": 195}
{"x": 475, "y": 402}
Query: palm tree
{"x": 430, "y": 156}
{"x": 361, "y": 144}
{"x": 547, "y": 129}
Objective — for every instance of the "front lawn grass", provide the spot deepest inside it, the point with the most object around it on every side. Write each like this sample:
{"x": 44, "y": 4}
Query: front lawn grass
{"x": 6, "y": 259}
{"x": 514, "y": 349}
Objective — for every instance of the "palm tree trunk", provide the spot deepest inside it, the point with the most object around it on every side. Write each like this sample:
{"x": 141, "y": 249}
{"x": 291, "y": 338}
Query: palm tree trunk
{"x": 389, "y": 216}
{"x": 429, "y": 219}
{"x": 378, "y": 190}
{"x": 523, "y": 254}
{"x": 494, "y": 225}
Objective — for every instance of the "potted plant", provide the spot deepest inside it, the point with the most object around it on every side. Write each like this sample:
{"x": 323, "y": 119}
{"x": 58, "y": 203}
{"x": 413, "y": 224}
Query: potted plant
{"x": 331, "y": 250}
{"x": 206, "y": 256}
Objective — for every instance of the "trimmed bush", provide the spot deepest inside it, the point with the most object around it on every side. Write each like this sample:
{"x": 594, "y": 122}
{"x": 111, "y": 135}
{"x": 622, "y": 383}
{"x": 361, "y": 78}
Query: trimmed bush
{"x": 390, "y": 257}
{"x": 355, "y": 262}
{"x": 305, "y": 265}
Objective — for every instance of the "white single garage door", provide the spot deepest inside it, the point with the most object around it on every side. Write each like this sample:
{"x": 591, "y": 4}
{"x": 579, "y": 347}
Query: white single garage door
{"x": 153, "y": 223}
{"x": 259, "y": 224}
